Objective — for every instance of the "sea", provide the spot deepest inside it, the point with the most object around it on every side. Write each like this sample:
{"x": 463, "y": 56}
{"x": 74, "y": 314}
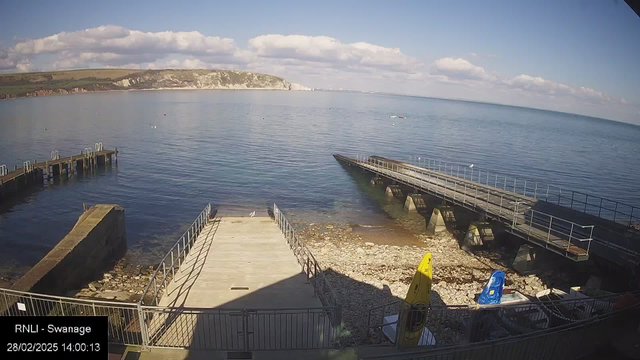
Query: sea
{"x": 245, "y": 150}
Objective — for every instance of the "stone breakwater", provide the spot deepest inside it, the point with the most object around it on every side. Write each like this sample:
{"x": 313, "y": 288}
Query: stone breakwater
{"x": 366, "y": 275}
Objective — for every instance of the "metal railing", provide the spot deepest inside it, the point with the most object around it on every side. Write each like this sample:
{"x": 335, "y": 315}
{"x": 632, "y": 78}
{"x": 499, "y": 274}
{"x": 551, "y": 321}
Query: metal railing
{"x": 451, "y": 325}
{"x": 196, "y": 328}
{"x": 27, "y": 166}
{"x": 554, "y": 233}
{"x": 511, "y": 329}
{"x": 587, "y": 203}
{"x": 172, "y": 260}
{"x": 124, "y": 318}
{"x": 242, "y": 329}
{"x": 307, "y": 261}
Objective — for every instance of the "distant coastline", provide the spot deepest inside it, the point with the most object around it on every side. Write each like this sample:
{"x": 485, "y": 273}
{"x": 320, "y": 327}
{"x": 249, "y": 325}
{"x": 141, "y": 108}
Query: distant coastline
{"x": 14, "y": 86}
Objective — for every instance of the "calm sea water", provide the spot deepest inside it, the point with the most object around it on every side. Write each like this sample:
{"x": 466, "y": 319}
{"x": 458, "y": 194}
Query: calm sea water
{"x": 251, "y": 148}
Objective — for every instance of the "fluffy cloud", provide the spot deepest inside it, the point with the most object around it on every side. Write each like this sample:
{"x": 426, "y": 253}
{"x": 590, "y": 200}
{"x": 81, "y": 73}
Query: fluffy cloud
{"x": 327, "y": 50}
{"x": 548, "y": 87}
{"x": 118, "y": 40}
{"x": 460, "y": 69}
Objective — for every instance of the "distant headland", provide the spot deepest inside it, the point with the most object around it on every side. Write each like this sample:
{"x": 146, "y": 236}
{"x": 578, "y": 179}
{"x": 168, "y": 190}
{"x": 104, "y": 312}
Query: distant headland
{"x": 88, "y": 80}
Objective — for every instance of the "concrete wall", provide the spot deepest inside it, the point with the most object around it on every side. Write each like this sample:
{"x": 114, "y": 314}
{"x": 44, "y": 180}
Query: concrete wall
{"x": 94, "y": 243}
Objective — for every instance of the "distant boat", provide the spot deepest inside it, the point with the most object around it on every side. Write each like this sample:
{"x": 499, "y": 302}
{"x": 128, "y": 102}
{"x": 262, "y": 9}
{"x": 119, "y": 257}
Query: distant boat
{"x": 393, "y": 116}
{"x": 397, "y": 116}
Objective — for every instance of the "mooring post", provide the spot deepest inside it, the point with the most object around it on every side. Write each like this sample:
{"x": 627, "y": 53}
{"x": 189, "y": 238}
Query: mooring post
{"x": 116, "y": 156}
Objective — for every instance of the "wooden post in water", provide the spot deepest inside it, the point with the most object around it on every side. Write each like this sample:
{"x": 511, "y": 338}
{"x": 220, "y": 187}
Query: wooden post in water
{"x": 116, "y": 156}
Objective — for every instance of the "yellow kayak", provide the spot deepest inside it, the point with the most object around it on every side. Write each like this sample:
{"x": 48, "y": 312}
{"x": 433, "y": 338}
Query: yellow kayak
{"x": 414, "y": 308}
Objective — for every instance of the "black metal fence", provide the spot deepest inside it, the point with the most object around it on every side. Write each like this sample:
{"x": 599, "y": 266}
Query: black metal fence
{"x": 532, "y": 330}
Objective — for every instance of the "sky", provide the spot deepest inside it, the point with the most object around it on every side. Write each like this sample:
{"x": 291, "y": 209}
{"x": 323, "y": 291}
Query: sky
{"x": 576, "y": 56}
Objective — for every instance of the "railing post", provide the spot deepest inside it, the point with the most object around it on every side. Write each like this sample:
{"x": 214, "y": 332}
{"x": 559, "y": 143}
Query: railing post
{"x": 488, "y": 194}
{"x": 143, "y": 328}
{"x": 535, "y": 192}
{"x": 173, "y": 273}
{"x": 559, "y": 195}
{"x": 514, "y": 184}
{"x": 549, "y": 232}
{"x": 531, "y": 222}
{"x": 525, "y": 188}
{"x": 590, "y": 238}
{"x": 515, "y": 214}
{"x": 245, "y": 328}
{"x": 573, "y": 193}
{"x": 464, "y": 198}
{"x": 615, "y": 212}
{"x": 570, "y": 235}
{"x": 586, "y": 201}
{"x": 631, "y": 216}
{"x": 600, "y": 208}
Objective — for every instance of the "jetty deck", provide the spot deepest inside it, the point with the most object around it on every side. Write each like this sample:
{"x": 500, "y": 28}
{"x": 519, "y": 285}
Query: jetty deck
{"x": 34, "y": 173}
{"x": 525, "y": 211}
{"x": 241, "y": 286}
{"x": 240, "y": 262}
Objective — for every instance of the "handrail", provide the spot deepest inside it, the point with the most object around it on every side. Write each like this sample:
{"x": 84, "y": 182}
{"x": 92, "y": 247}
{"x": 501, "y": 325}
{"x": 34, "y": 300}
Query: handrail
{"x": 66, "y": 298}
{"x": 537, "y": 190}
{"x": 187, "y": 239}
{"x": 306, "y": 259}
{"x": 524, "y": 219}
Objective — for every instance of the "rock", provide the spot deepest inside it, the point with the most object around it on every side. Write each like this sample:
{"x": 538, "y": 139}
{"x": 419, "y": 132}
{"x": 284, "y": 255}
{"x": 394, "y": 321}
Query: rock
{"x": 329, "y": 227}
{"x": 369, "y": 244}
{"x": 327, "y": 238}
{"x": 360, "y": 251}
{"x": 92, "y": 287}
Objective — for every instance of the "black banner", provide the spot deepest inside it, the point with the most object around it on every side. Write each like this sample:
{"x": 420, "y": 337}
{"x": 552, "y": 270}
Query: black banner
{"x": 40, "y": 337}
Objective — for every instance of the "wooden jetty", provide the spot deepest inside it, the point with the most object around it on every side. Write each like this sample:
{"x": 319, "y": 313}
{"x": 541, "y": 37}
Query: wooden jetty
{"x": 530, "y": 215}
{"x": 30, "y": 174}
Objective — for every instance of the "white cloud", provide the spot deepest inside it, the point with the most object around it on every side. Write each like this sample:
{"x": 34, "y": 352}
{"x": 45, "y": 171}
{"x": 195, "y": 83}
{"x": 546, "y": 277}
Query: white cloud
{"x": 543, "y": 86}
{"x": 119, "y": 40}
{"x": 460, "y": 69}
{"x": 327, "y": 50}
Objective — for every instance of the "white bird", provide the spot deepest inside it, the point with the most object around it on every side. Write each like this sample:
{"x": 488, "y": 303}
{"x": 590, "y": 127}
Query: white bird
{"x": 252, "y": 214}
{"x": 471, "y": 166}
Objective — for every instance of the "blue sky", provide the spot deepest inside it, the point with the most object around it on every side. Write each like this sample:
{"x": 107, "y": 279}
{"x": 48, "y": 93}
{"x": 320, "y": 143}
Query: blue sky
{"x": 574, "y": 56}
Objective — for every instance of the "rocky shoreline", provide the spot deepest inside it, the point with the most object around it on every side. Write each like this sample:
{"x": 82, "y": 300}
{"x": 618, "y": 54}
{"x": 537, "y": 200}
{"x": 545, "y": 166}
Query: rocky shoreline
{"x": 125, "y": 282}
{"x": 366, "y": 274}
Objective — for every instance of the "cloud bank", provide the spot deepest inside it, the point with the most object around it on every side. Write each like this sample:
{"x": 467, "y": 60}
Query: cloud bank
{"x": 313, "y": 60}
